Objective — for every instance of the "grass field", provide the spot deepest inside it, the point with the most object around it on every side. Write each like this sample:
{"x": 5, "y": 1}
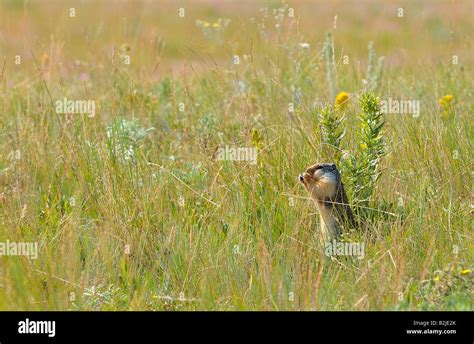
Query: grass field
{"x": 131, "y": 210}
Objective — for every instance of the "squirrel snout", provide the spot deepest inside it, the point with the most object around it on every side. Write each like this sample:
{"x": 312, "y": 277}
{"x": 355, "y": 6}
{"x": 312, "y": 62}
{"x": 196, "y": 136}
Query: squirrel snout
{"x": 301, "y": 177}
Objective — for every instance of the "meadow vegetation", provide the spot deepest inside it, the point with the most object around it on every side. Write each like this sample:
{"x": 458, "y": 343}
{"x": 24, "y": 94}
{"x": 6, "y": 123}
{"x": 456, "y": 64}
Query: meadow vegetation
{"x": 131, "y": 209}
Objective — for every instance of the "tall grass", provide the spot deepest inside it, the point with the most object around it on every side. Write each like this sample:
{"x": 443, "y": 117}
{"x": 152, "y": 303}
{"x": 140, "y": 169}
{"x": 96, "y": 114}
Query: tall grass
{"x": 132, "y": 211}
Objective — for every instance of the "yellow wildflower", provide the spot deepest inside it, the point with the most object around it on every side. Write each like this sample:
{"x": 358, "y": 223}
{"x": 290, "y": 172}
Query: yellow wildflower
{"x": 341, "y": 100}
{"x": 206, "y": 24}
{"x": 446, "y": 100}
{"x": 437, "y": 279}
{"x": 215, "y": 25}
{"x": 465, "y": 271}
{"x": 447, "y": 105}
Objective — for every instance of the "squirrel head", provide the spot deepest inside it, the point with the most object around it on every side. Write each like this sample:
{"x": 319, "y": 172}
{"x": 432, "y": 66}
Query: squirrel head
{"x": 321, "y": 180}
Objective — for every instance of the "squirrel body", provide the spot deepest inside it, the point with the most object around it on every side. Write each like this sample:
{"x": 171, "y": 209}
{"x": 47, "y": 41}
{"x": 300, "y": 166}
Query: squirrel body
{"x": 324, "y": 185}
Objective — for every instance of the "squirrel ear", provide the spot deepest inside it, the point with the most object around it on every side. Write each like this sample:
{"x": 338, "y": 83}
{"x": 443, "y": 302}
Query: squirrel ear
{"x": 333, "y": 166}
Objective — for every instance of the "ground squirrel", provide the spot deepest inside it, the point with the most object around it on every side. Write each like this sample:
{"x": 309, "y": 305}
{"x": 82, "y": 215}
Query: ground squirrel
{"x": 323, "y": 183}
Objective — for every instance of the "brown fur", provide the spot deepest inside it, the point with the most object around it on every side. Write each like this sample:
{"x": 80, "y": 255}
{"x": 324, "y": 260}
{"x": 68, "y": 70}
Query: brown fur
{"x": 323, "y": 183}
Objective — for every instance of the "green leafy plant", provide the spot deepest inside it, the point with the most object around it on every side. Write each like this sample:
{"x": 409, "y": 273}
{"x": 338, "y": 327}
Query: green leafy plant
{"x": 333, "y": 131}
{"x": 364, "y": 166}
{"x": 124, "y": 137}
